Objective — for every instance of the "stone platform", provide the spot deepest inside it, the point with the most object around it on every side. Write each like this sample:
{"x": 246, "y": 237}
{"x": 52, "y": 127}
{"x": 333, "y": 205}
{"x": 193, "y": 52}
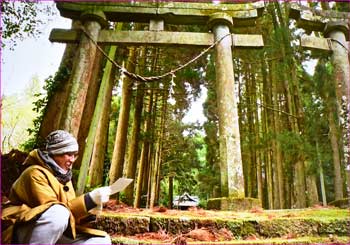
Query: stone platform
{"x": 161, "y": 226}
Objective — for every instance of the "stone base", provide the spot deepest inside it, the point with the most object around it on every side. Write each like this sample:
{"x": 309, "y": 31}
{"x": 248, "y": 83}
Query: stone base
{"x": 233, "y": 204}
{"x": 341, "y": 203}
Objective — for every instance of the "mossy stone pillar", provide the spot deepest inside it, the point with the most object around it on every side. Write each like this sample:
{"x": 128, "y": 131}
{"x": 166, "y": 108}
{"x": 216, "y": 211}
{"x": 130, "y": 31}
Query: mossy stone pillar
{"x": 232, "y": 184}
{"x": 81, "y": 71}
{"x": 338, "y": 32}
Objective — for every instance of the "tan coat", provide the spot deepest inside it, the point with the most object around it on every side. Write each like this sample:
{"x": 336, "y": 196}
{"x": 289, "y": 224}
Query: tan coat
{"x": 35, "y": 191}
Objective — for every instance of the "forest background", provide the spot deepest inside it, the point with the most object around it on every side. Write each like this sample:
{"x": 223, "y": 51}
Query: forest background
{"x": 287, "y": 113}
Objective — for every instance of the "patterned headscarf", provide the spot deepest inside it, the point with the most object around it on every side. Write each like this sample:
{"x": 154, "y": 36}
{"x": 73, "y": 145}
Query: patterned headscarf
{"x": 61, "y": 142}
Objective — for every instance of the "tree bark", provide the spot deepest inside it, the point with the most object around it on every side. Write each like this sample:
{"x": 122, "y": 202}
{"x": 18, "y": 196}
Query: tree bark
{"x": 91, "y": 137}
{"x": 100, "y": 143}
{"x": 90, "y": 103}
{"x": 277, "y": 162}
{"x": 117, "y": 164}
{"x": 152, "y": 168}
{"x": 338, "y": 180}
{"x": 267, "y": 127}
{"x": 158, "y": 157}
{"x": 311, "y": 186}
{"x": 144, "y": 155}
{"x": 323, "y": 189}
{"x": 135, "y": 136}
{"x": 258, "y": 132}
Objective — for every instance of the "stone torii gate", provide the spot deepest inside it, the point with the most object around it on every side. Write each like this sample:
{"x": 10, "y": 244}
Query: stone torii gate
{"x": 336, "y": 32}
{"x": 335, "y": 29}
{"x": 220, "y": 18}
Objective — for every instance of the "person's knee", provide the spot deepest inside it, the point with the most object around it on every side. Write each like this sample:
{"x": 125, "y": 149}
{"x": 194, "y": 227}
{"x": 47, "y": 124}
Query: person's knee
{"x": 56, "y": 218}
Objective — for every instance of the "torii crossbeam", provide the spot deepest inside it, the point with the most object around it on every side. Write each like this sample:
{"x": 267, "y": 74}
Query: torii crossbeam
{"x": 220, "y": 20}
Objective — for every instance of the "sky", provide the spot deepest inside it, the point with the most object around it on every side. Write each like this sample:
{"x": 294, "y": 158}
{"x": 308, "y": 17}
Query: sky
{"x": 32, "y": 57}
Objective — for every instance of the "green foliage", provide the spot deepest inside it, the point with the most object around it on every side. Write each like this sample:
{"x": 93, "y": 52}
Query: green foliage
{"x": 17, "y": 115}
{"x": 22, "y": 19}
{"x": 210, "y": 171}
{"x": 184, "y": 156}
{"x": 342, "y": 6}
{"x": 52, "y": 85}
{"x": 292, "y": 143}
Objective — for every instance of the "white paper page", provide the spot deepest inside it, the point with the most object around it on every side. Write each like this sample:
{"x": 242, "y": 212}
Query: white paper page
{"x": 120, "y": 185}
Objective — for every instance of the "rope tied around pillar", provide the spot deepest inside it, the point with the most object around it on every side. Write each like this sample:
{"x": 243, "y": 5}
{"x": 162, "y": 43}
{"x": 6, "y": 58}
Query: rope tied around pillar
{"x": 340, "y": 43}
{"x": 151, "y": 78}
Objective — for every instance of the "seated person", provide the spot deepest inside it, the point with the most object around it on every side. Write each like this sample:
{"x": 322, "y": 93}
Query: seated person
{"x": 43, "y": 207}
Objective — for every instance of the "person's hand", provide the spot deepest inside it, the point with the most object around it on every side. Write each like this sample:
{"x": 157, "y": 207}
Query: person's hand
{"x": 100, "y": 195}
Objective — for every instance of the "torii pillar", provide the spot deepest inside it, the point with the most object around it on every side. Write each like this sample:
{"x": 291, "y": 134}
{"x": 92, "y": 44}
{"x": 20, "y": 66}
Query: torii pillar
{"x": 232, "y": 180}
{"x": 81, "y": 72}
{"x": 336, "y": 30}
{"x": 336, "y": 33}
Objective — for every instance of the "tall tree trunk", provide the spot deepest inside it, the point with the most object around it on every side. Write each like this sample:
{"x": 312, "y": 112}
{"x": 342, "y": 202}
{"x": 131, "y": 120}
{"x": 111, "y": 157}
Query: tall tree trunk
{"x": 153, "y": 175}
{"x": 338, "y": 180}
{"x": 90, "y": 103}
{"x": 152, "y": 169}
{"x": 158, "y": 157}
{"x": 144, "y": 155}
{"x": 100, "y": 143}
{"x": 104, "y": 88}
{"x": 117, "y": 164}
{"x": 255, "y": 130}
{"x": 211, "y": 131}
{"x": 135, "y": 134}
{"x": 268, "y": 127}
{"x": 250, "y": 173}
{"x": 171, "y": 191}
{"x": 258, "y": 132}
{"x": 289, "y": 80}
{"x": 311, "y": 183}
{"x": 134, "y": 144}
{"x": 323, "y": 189}
{"x": 277, "y": 163}
{"x": 299, "y": 167}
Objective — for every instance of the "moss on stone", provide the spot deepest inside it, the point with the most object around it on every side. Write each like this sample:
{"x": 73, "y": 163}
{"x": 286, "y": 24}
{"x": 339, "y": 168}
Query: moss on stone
{"x": 234, "y": 204}
{"x": 123, "y": 225}
{"x": 339, "y": 227}
{"x": 263, "y": 225}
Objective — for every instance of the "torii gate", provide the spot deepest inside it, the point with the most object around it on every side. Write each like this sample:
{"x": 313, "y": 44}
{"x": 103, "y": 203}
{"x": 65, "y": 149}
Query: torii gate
{"x": 219, "y": 17}
{"x": 335, "y": 28}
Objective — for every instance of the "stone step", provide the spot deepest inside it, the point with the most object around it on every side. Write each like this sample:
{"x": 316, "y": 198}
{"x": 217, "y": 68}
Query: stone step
{"x": 343, "y": 240}
{"x": 140, "y": 226}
